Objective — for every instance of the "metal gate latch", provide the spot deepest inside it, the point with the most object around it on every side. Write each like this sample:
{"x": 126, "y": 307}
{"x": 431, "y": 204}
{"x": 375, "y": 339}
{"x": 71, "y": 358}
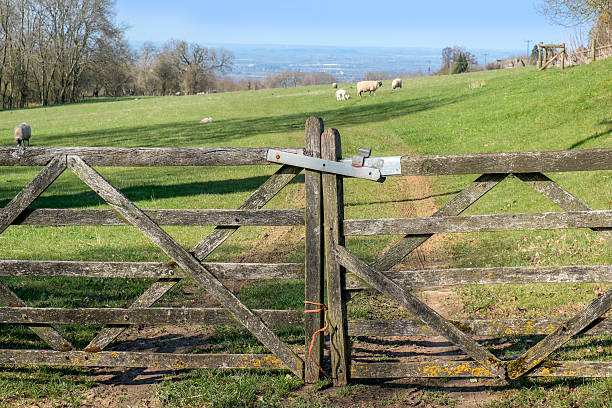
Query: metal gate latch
{"x": 360, "y": 166}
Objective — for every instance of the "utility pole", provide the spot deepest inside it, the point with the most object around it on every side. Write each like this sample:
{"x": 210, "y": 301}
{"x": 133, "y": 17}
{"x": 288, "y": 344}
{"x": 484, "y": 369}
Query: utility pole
{"x": 485, "y": 55}
{"x": 528, "y": 53}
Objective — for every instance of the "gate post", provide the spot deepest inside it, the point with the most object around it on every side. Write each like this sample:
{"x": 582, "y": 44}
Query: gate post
{"x": 333, "y": 210}
{"x": 314, "y": 266}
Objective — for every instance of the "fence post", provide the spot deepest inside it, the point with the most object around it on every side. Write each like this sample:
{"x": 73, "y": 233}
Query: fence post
{"x": 539, "y": 55}
{"x": 333, "y": 210}
{"x": 593, "y": 51}
{"x": 314, "y": 272}
{"x": 563, "y": 57}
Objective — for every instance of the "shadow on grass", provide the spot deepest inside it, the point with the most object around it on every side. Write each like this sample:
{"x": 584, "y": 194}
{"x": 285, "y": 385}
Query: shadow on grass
{"x": 407, "y": 200}
{"x": 151, "y": 192}
{"x": 182, "y": 134}
{"x": 595, "y": 136}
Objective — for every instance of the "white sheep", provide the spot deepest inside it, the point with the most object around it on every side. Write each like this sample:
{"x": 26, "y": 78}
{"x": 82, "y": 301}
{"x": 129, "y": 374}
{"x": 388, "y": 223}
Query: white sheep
{"x": 397, "y": 83}
{"x": 207, "y": 120}
{"x": 334, "y": 85}
{"x": 368, "y": 86}
{"x": 22, "y": 134}
{"x": 341, "y": 95}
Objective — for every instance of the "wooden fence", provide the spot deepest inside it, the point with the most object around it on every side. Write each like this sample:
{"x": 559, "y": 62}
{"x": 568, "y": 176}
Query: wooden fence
{"x": 353, "y": 273}
{"x": 186, "y": 263}
{"x": 326, "y": 230}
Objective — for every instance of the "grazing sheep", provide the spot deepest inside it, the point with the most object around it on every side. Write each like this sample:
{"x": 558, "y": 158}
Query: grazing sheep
{"x": 207, "y": 120}
{"x": 178, "y": 94}
{"x": 334, "y": 85}
{"x": 368, "y": 86}
{"x": 341, "y": 95}
{"x": 22, "y": 134}
{"x": 397, "y": 83}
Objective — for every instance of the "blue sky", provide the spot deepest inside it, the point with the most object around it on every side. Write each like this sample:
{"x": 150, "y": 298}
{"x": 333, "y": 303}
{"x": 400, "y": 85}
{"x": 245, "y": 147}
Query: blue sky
{"x": 491, "y": 24}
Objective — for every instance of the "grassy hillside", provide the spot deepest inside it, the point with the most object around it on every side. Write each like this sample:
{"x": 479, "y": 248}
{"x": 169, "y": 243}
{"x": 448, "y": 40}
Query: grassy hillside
{"x": 506, "y": 110}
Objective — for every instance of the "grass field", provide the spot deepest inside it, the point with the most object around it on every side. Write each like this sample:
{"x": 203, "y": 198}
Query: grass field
{"x": 506, "y": 110}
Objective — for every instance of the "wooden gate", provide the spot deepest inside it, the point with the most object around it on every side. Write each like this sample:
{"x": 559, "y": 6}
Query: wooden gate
{"x": 185, "y": 263}
{"x": 326, "y": 230}
{"x": 495, "y": 167}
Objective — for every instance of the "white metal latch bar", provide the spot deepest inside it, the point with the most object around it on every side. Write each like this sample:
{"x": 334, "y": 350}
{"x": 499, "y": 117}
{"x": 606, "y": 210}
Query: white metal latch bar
{"x": 326, "y": 166}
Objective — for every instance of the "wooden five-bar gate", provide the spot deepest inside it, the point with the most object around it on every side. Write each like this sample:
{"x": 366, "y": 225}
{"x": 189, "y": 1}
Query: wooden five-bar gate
{"x": 326, "y": 258}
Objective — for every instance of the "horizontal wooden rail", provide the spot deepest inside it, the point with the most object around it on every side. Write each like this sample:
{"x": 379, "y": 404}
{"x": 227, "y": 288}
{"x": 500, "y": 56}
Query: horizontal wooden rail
{"x": 474, "y": 223}
{"x": 164, "y": 361}
{"x": 493, "y": 275}
{"x": 141, "y": 156}
{"x": 480, "y": 163}
{"x": 64, "y": 217}
{"x": 446, "y": 368}
{"x": 148, "y": 270}
{"x": 148, "y": 316}
{"x": 510, "y": 162}
{"x": 504, "y": 327}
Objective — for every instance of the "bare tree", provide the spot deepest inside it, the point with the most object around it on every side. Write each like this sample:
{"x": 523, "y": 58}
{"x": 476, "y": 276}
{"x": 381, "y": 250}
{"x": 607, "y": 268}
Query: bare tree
{"x": 199, "y": 65}
{"x": 575, "y": 12}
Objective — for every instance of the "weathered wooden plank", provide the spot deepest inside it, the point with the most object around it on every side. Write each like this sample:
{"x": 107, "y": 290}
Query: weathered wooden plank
{"x": 148, "y": 270}
{"x": 62, "y": 217}
{"x": 455, "y": 206}
{"x": 494, "y": 275}
{"x": 188, "y": 262}
{"x": 153, "y": 293}
{"x": 146, "y": 316}
{"x": 257, "y": 200}
{"x": 422, "y": 311}
{"x": 141, "y": 156}
{"x": 536, "y": 354}
{"x": 315, "y": 269}
{"x": 333, "y": 210}
{"x": 508, "y": 162}
{"x": 164, "y": 361}
{"x": 557, "y": 194}
{"x": 35, "y": 188}
{"x": 500, "y": 328}
{"x": 467, "y": 369}
{"x": 486, "y": 222}
{"x": 47, "y": 333}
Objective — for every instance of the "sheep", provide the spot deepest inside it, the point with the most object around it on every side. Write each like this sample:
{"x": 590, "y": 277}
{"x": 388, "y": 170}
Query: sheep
{"x": 334, "y": 85}
{"x": 207, "y": 120}
{"x": 397, "y": 83}
{"x": 341, "y": 95}
{"x": 178, "y": 94}
{"x": 371, "y": 86}
{"x": 22, "y": 134}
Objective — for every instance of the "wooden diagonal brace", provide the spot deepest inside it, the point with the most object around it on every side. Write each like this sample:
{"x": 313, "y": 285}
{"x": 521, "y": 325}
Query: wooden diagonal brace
{"x": 536, "y": 354}
{"x": 257, "y": 200}
{"x": 558, "y": 195}
{"x": 188, "y": 262}
{"x": 46, "y": 332}
{"x": 456, "y": 206}
{"x": 32, "y": 191}
{"x": 421, "y": 310}
{"x": 108, "y": 334}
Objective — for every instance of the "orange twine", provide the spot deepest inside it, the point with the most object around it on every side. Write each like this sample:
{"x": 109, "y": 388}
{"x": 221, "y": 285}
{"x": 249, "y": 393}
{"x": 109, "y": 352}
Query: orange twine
{"x": 323, "y": 308}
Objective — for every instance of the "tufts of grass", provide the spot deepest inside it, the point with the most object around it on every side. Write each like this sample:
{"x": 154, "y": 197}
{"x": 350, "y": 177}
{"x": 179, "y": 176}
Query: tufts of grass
{"x": 25, "y": 386}
{"x": 222, "y": 389}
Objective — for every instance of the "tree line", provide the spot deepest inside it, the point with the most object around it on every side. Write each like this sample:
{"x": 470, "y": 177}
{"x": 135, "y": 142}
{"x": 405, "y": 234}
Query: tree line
{"x": 58, "y": 51}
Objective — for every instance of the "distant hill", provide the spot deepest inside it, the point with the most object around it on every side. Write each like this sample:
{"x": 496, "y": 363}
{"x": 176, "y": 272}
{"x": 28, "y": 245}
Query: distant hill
{"x": 345, "y": 63}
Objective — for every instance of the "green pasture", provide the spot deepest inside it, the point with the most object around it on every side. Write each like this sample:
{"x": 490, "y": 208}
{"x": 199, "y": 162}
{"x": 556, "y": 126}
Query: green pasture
{"x": 492, "y": 111}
